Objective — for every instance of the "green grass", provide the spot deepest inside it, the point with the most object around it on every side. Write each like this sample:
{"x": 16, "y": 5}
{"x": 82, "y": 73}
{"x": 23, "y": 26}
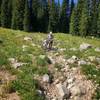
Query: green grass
{"x": 25, "y": 85}
{"x": 93, "y": 74}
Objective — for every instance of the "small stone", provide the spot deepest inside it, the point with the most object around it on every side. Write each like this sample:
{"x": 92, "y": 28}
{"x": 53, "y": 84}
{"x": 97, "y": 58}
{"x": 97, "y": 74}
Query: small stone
{"x": 92, "y": 58}
{"x": 56, "y": 54}
{"x": 97, "y": 49}
{"x": 70, "y": 80}
{"x": 24, "y": 46}
{"x": 71, "y": 61}
{"x": 39, "y": 92}
{"x": 12, "y": 60}
{"x": 17, "y": 64}
{"x": 74, "y": 57}
{"x": 56, "y": 81}
{"x": 27, "y": 39}
{"x": 98, "y": 60}
{"x": 46, "y": 78}
{"x": 70, "y": 86}
{"x": 82, "y": 62}
{"x": 62, "y": 49}
{"x": 77, "y": 91}
{"x": 33, "y": 44}
{"x": 63, "y": 92}
{"x": 73, "y": 49}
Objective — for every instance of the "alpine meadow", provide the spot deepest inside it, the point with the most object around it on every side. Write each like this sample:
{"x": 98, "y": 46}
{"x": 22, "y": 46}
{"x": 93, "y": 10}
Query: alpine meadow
{"x": 49, "y": 49}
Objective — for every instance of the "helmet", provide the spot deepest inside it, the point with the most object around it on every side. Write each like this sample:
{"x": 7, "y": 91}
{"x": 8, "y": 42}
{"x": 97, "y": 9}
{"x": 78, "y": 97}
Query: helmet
{"x": 50, "y": 32}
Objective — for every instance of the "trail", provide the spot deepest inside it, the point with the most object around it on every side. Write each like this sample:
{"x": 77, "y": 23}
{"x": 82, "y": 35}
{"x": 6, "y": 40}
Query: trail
{"x": 68, "y": 82}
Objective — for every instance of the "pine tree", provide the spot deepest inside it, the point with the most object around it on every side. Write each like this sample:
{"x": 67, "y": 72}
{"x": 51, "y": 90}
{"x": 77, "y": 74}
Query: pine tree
{"x": 84, "y": 22}
{"x": 6, "y": 13}
{"x": 34, "y": 21}
{"x": 18, "y": 14}
{"x": 53, "y": 17}
{"x": 72, "y": 6}
{"x": 0, "y": 11}
{"x": 58, "y": 13}
{"x": 79, "y": 14}
{"x": 94, "y": 15}
{"x": 43, "y": 16}
{"x": 98, "y": 22}
{"x": 27, "y": 16}
{"x": 64, "y": 17}
{"x": 74, "y": 23}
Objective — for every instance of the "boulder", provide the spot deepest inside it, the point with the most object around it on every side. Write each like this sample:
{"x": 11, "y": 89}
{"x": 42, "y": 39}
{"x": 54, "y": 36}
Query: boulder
{"x": 62, "y": 91}
{"x": 84, "y": 46}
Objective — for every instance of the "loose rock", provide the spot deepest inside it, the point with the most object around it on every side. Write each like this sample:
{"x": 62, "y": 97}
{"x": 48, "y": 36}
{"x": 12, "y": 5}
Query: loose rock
{"x": 92, "y": 58}
{"x": 46, "y": 78}
{"x": 73, "y": 49}
{"x": 63, "y": 92}
{"x": 97, "y": 49}
{"x": 27, "y": 39}
{"x": 82, "y": 62}
{"x": 85, "y": 46}
{"x": 72, "y": 60}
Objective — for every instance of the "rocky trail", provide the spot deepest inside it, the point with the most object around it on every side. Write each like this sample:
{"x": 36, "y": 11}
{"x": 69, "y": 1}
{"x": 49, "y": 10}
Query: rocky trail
{"x": 65, "y": 82}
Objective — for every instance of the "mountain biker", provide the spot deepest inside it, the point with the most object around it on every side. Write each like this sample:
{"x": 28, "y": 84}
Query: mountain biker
{"x": 50, "y": 40}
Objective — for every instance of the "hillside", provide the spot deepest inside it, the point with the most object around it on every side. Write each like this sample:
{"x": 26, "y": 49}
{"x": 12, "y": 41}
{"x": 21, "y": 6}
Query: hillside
{"x": 27, "y": 72}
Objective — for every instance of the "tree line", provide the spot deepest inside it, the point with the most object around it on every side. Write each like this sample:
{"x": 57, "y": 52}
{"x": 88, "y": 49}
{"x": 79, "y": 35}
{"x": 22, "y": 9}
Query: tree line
{"x": 81, "y": 19}
{"x": 85, "y": 18}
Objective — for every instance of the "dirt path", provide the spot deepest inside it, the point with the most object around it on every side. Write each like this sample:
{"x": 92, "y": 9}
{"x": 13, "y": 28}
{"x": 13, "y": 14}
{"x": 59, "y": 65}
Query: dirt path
{"x": 71, "y": 78}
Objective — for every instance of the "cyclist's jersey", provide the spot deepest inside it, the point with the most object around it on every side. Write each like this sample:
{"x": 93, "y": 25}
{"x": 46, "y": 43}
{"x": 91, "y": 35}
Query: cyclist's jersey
{"x": 50, "y": 37}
